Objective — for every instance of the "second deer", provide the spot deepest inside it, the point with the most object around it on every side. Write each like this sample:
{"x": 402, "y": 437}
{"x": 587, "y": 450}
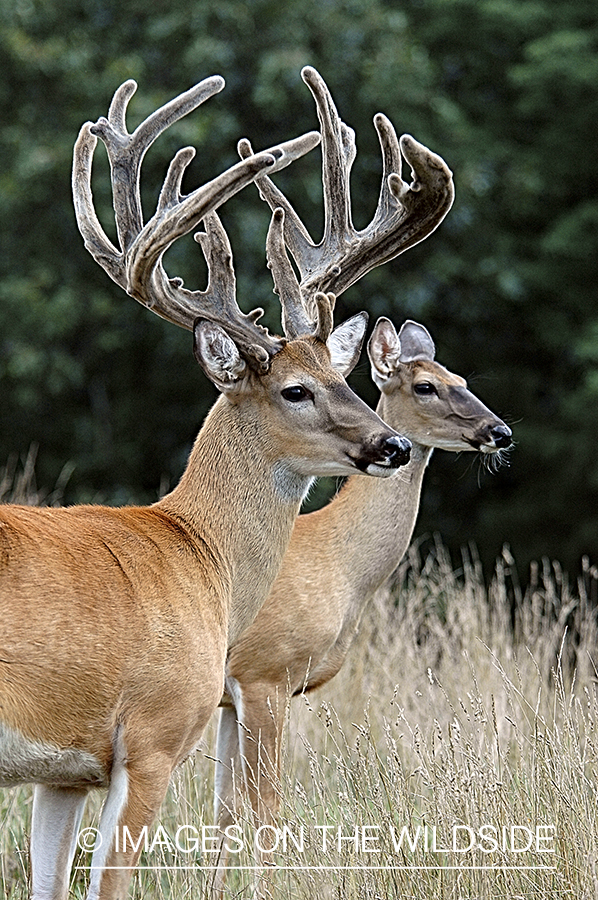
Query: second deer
{"x": 338, "y": 557}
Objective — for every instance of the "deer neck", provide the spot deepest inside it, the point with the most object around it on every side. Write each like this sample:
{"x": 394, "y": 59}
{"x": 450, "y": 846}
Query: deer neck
{"x": 239, "y": 503}
{"x": 370, "y": 524}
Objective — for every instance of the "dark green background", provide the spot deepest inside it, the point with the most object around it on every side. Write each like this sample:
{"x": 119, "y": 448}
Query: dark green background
{"x": 504, "y": 90}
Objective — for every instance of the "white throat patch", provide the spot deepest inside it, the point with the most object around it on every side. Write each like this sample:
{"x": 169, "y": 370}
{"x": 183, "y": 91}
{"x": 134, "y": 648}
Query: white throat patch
{"x": 290, "y": 486}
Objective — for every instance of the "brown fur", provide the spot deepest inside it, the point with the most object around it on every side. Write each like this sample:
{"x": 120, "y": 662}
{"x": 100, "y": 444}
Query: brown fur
{"x": 337, "y": 558}
{"x": 115, "y": 623}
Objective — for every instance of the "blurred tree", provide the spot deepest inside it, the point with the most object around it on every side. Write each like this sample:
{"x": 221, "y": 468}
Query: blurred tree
{"x": 518, "y": 301}
{"x": 505, "y": 91}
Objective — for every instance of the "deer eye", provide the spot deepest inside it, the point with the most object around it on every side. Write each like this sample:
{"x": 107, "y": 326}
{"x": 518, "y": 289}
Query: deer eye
{"x": 296, "y": 393}
{"x": 424, "y": 389}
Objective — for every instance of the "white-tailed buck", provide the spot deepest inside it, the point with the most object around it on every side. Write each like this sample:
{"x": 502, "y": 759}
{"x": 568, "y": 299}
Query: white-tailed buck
{"x": 115, "y": 623}
{"x": 336, "y": 560}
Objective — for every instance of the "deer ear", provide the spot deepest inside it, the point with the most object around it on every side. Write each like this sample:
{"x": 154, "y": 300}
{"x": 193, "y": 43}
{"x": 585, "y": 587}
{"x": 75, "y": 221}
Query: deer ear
{"x": 346, "y": 341}
{"x": 384, "y": 351}
{"x": 416, "y": 342}
{"x": 218, "y": 355}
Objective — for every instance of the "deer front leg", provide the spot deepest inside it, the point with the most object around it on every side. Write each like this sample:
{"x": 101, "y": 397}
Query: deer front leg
{"x": 248, "y": 741}
{"x": 260, "y": 733}
{"x": 136, "y": 792}
{"x": 228, "y": 774}
{"x": 228, "y": 769}
{"x": 55, "y": 824}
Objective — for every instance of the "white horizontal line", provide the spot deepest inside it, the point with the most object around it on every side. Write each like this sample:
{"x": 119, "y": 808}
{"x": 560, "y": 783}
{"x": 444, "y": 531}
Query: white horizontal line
{"x": 324, "y": 868}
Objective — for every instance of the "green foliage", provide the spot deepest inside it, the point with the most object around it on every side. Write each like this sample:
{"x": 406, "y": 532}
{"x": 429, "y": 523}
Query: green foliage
{"x": 506, "y": 92}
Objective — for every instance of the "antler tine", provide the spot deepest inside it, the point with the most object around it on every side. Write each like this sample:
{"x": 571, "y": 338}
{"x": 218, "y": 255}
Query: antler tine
{"x": 298, "y": 318}
{"x": 338, "y": 152}
{"x": 126, "y": 151}
{"x": 176, "y": 216}
{"x": 137, "y": 265}
{"x": 218, "y": 301}
{"x": 294, "y": 315}
{"x": 405, "y": 215}
{"x": 297, "y": 237}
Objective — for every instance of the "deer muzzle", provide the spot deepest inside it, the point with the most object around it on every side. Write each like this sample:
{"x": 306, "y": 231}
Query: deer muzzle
{"x": 385, "y": 452}
{"x": 497, "y": 437}
{"x": 492, "y": 438}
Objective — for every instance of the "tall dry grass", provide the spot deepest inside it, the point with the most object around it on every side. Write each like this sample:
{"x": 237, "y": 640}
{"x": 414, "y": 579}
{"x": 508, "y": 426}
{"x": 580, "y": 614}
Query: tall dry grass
{"x": 461, "y": 705}
{"x": 465, "y": 702}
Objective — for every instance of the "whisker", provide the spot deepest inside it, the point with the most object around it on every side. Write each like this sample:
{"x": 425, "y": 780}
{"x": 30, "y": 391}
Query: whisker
{"x": 492, "y": 462}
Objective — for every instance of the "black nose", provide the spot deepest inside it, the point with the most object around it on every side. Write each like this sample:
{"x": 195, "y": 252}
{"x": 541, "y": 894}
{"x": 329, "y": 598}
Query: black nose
{"x": 502, "y": 435}
{"x": 397, "y": 450}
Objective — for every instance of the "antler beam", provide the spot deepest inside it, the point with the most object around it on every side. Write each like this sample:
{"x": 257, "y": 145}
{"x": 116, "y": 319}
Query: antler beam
{"x": 137, "y": 264}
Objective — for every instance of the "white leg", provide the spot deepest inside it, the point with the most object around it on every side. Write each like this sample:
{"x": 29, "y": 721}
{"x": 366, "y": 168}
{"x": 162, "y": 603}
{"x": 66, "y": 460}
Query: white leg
{"x": 55, "y": 825}
{"x": 109, "y": 818}
{"x": 228, "y": 770}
